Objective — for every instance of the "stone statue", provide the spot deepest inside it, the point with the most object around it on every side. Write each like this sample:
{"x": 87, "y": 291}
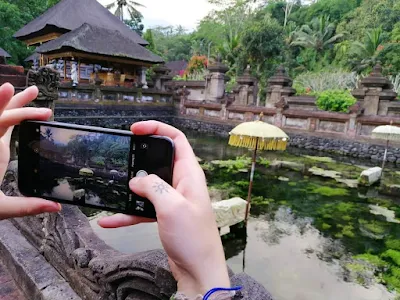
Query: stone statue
{"x": 144, "y": 80}
{"x": 74, "y": 74}
{"x": 35, "y": 65}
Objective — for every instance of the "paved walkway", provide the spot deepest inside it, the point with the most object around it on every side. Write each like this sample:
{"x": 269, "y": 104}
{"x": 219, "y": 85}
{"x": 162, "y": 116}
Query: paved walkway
{"x": 8, "y": 288}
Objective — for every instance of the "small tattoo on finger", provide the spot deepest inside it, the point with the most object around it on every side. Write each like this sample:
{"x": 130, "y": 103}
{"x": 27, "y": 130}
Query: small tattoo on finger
{"x": 161, "y": 187}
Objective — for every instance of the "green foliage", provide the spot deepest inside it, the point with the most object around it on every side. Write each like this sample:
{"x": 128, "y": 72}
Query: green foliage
{"x": 234, "y": 166}
{"x": 393, "y": 244}
{"x": 365, "y": 55}
{"x": 329, "y": 79}
{"x": 329, "y": 191}
{"x": 393, "y": 255}
{"x": 335, "y": 100}
{"x": 372, "y": 259}
{"x": 318, "y": 35}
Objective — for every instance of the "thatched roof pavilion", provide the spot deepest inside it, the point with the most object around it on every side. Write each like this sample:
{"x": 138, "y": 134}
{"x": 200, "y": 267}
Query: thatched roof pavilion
{"x": 68, "y": 15}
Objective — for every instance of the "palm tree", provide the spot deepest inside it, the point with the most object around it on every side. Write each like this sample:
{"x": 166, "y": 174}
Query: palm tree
{"x": 318, "y": 35}
{"x": 366, "y": 54}
{"x": 122, "y": 4}
{"x": 48, "y": 134}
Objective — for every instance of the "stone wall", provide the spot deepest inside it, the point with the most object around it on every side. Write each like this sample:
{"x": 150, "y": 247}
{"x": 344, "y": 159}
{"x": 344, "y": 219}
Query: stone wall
{"x": 310, "y": 142}
{"x": 112, "y": 115}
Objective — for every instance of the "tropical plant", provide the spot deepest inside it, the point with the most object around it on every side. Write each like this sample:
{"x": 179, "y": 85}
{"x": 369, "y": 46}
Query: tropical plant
{"x": 330, "y": 79}
{"x": 366, "y": 54}
{"x": 125, "y": 4}
{"x": 396, "y": 83}
{"x": 335, "y": 100}
{"x": 48, "y": 134}
{"x": 318, "y": 35}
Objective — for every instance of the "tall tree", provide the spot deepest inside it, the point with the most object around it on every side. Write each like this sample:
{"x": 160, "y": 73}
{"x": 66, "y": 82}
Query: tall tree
{"x": 120, "y": 5}
{"x": 365, "y": 55}
{"x": 318, "y": 35}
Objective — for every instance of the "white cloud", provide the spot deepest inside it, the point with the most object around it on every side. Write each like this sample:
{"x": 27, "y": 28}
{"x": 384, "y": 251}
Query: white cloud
{"x": 172, "y": 12}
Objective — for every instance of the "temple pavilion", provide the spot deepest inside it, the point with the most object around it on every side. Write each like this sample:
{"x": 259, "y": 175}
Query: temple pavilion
{"x": 3, "y": 56}
{"x": 81, "y": 37}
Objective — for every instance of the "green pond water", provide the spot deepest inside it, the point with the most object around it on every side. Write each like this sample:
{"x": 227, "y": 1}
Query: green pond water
{"x": 308, "y": 237}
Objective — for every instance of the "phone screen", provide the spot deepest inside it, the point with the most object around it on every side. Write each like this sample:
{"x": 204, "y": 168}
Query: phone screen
{"x": 84, "y": 167}
{"x": 89, "y": 167}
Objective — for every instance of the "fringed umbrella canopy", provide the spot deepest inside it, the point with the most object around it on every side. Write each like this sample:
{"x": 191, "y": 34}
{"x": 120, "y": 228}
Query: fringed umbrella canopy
{"x": 269, "y": 136}
{"x": 387, "y": 132}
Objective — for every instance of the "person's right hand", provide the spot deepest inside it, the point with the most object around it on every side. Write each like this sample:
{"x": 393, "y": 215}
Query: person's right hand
{"x": 186, "y": 222}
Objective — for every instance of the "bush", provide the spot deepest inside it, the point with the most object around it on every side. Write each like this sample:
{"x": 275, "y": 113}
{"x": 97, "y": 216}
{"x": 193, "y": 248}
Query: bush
{"x": 335, "y": 79}
{"x": 335, "y": 100}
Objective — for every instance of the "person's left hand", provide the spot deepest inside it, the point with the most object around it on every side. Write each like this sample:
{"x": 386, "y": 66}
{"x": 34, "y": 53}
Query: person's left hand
{"x": 12, "y": 113}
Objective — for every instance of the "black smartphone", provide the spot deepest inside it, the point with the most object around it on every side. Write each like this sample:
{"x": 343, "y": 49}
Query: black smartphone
{"x": 90, "y": 166}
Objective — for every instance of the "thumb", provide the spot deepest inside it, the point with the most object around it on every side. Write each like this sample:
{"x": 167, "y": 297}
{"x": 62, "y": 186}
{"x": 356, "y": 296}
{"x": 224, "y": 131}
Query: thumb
{"x": 164, "y": 198}
{"x": 13, "y": 207}
{"x": 159, "y": 193}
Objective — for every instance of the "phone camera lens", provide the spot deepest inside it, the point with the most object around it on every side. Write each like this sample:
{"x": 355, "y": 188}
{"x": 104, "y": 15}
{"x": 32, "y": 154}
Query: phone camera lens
{"x": 144, "y": 146}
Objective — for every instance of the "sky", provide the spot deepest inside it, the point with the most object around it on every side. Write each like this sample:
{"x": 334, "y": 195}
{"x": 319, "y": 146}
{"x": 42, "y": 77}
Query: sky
{"x": 172, "y": 12}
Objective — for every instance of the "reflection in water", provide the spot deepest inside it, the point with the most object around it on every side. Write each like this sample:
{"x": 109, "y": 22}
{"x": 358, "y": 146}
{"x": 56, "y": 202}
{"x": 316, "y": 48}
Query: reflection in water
{"x": 62, "y": 191}
{"x": 284, "y": 255}
{"x": 302, "y": 235}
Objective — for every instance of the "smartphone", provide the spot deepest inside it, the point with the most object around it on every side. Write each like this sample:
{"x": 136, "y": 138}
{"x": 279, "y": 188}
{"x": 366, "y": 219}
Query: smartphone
{"x": 90, "y": 166}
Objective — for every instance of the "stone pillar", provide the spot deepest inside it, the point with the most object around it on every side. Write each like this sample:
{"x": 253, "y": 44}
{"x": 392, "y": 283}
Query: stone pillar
{"x": 355, "y": 111}
{"x": 183, "y": 94}
{"x": 215, "y": 89}
{"x": 279, "y": 85}
{"x": 280, "y": 106}
{"x": 245, "y": 89}
{"x": 161, "y": 77}
{"x": 374, "y": 93}
{"x": 47, "y": 81}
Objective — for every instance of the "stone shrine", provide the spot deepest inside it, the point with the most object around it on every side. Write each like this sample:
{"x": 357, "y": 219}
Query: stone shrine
{"x": 375, "y": 93}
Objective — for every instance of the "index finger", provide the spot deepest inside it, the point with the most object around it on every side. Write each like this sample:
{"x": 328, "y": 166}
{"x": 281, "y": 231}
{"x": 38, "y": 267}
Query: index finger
{"x": 183, "y": 150}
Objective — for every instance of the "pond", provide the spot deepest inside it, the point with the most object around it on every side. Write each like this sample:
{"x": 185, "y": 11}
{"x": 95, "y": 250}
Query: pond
{"x": 308, "y": 237}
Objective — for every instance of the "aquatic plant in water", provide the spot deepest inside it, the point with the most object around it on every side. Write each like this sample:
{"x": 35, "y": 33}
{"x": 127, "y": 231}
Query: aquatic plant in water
{"x": 329, "y": 191}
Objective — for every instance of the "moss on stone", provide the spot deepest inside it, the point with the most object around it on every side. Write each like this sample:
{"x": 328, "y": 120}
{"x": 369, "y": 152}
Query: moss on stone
{"x": 393, "y": 255}
{"x": 329, "y": 191}
{"x": 348, "y": 231}
{"x": 326, "y": 226}
{"x": 347, "y": 218}
{"x": 393, "y": 244}
{"x": 292, "y": 183}
{"x": 374, "y": 260}
{"x": 375, "y": 227}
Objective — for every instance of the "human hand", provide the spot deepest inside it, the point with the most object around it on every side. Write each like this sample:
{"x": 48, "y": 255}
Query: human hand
{"x": 186, "y": 222}
{"x": 12, "y": 113}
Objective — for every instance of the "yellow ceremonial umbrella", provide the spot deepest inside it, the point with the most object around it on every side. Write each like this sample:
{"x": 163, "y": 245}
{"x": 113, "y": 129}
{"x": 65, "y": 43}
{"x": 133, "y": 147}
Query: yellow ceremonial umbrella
{"x": 257, "y": 135}
{"x": 388, "y": 133}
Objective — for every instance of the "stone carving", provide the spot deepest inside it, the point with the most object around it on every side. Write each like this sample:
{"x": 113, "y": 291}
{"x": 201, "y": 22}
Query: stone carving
{"x": 215, "y": 89}
{"x": 96, "y": 271}
{"x": 183, "y": 94}
{"x": 375, "y": 92}
{"x": 161, "y": 77}
{"x": 245, "y": 89}
{"x": 279, "y": 85}
{"x": 282, "y": 103}
{"x": 356, "y": 108}
{"x": 74, "y": 74}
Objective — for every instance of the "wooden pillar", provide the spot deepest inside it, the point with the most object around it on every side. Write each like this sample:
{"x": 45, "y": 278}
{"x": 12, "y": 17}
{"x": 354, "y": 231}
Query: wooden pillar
{"x": 65, "y": 69}
{"x": 79, "y": 70}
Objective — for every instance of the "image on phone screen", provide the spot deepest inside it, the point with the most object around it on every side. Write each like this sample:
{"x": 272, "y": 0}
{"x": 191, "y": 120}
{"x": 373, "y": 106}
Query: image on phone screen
{"x": 84, "y": 167}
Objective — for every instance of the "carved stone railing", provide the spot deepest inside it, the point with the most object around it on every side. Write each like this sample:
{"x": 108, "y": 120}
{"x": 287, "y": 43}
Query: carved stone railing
{"x": 96, "y": 271}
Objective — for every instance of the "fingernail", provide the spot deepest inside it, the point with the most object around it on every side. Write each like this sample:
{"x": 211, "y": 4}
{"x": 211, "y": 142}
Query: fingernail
{"x": 134, "y": 181}
{"x": 43, "y": 110}
{"x": 52, "y": 207}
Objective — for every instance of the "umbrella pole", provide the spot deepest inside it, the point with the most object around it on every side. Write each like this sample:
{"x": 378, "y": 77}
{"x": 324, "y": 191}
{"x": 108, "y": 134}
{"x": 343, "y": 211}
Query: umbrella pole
{"x": 253, "y": 167}
{"x": 385, "y": 155}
